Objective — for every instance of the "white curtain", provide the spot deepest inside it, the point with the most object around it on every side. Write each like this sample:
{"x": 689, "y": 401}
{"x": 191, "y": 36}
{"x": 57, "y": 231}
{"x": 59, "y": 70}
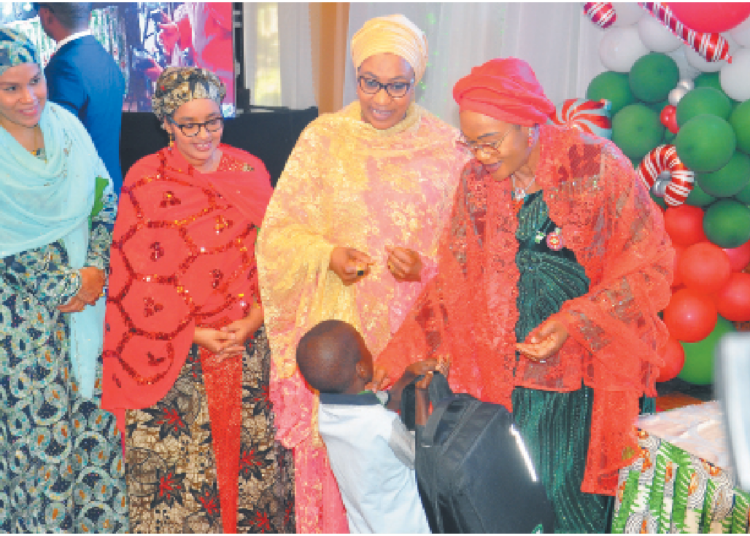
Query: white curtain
{"x": 560, "y": 43}
{"x": 278, "y": 60}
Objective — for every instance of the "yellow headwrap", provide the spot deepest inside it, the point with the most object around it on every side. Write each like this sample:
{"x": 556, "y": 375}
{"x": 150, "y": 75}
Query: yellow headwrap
{"x": 394, "y": 34}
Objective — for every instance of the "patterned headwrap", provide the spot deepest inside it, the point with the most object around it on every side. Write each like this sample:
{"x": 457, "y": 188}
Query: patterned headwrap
{"x": 179, "y": 85}
{"x": 15, "y": 48}
{"x": 506, "y": 89}
{"x": 394, "y": 34}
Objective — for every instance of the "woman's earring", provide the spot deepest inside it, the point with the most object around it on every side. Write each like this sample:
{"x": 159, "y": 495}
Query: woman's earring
{"x": 532, "y": 135}
{"x": 171, "y": 140}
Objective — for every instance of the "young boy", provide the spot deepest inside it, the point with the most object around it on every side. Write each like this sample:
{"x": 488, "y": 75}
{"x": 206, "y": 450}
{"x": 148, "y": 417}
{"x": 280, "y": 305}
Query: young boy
{"x": 370, "y": 450}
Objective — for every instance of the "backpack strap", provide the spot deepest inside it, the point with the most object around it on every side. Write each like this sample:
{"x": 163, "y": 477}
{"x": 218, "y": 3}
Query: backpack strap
{"x": 438, "y": 390}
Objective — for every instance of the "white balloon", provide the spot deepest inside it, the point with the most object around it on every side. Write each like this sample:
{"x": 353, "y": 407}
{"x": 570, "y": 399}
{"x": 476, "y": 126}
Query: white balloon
{"x": 731, "y": 41}
{"x": 628, "y": 13}
{"x": 620, "y": 48}
{"x": 686, "y": 83}
{"x": 656, "y": 36}
{"x": 699, "y": 62}
{"x": 735, "y": 77}
{"x": 687, "y": 71}
{"x": 741, "y": 33}
{"x": 675, "y": 96}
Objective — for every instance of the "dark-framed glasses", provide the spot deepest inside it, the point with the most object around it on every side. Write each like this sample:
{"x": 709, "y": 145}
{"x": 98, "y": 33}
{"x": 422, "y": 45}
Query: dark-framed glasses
{"x": 489, "y": 149}
{"x": 192, "y": 129}
{"x": 395, "y": 90}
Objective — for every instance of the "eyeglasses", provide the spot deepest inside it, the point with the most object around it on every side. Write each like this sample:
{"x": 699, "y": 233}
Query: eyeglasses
{"x": 192, "y": 129}
{"x": 490, "y": 149}
{"x": 395, "y": 90}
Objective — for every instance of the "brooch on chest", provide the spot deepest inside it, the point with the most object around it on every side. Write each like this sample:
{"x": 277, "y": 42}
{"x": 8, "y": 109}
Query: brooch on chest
{"x": 554, "y": 239}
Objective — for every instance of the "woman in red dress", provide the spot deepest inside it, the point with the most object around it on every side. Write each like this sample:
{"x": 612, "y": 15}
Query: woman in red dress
{"x": 186, "y": 357}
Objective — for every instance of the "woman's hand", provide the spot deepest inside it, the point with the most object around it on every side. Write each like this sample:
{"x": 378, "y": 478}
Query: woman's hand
{"x": 74, "y": 305}
{"x": 404, "y": 264}
{"x": 544, "y": 341}
{"x": 92, "y": 285}
{"x": 240, "y": 331}
{"x": 230, "y": 340}
{"x": 213, "y": 340}
{"x": 349, "y": 264}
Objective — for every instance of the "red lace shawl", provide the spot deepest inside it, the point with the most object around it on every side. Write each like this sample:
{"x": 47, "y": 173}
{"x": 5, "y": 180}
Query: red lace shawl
{"x": 469, "y": 310}
{"x": 183, "y": 255}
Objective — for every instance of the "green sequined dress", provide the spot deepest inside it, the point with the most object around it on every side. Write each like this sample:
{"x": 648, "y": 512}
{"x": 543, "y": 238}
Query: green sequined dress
{"x": 555, "y": 425}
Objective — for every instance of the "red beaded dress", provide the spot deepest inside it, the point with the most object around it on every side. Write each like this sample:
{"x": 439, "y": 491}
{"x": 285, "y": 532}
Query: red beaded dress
{"x": 200, "y": 448}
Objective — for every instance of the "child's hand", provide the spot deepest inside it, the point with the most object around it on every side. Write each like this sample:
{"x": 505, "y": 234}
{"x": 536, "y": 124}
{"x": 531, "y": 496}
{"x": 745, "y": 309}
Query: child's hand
{"x": 419, "y": 368}
{"x": 424, "y": 383}
{"x": 441, "y": 364}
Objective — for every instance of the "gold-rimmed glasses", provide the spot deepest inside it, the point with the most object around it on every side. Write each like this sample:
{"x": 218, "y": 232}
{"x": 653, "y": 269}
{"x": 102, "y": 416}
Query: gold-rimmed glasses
{"x": 490, "y": 149}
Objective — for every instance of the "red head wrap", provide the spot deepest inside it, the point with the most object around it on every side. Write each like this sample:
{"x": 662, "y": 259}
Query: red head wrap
{"x": 506, "y": 89}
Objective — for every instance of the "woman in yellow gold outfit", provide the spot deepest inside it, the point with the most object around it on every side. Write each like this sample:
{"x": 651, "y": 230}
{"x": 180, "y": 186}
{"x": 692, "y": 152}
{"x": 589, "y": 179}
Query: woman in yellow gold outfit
{"x": 351, "y": 233}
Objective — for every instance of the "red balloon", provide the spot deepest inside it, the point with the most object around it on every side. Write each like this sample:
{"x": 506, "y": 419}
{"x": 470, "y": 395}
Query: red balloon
{"x": 674, "y": 358}
{"x": 678, "y": 251}
{"x": 668, "y": 118}
{"x": 739, "y": 256}
{"x": 710, "y": 17}
{"x": 733, "y": 300}
{"x": 704, "y": 267}
{"x": 684, "y": 225}
{"x": 690, "y": 316}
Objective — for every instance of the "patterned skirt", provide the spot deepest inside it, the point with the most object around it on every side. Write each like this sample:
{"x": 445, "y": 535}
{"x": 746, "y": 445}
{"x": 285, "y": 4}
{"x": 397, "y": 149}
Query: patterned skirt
{"x": 61, "y": 466}
{"x": 173, "y": 447}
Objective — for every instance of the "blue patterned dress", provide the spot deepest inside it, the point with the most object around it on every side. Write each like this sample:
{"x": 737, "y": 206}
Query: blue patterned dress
{"x": 61, "y": 465}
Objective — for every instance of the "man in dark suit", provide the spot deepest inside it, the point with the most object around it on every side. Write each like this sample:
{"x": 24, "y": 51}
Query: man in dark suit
{"x": 84, "y": 78}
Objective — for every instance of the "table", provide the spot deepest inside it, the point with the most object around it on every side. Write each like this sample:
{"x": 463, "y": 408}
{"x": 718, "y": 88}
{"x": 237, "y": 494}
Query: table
{"x": 681, "y": 483}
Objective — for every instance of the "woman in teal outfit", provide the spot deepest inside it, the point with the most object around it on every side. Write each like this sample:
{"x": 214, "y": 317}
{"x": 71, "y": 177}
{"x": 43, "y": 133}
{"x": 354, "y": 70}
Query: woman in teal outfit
{"x": 61, "y": 466}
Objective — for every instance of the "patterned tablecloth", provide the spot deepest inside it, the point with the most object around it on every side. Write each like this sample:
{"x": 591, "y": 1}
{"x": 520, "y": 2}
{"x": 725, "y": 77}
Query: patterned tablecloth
{"x": 681, "y": 483}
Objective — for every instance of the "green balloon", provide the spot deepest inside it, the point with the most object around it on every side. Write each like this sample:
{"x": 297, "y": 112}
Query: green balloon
{"x": 703, "y": 100}
{"x": 728, "y": 180}
{"x": 669, "y": 136}
{"x": 727, "y": 223}
{"x": 653, "y": 76}
{"x": 611, "y": 86}
{"x": 698, "y": 198}
{"x": 740, "y": 121}
{"x": 636, "y": 129}
{"x": 712, "y": 80}
{"x": 657, "y": 106}
{"x": 743, "y": 196}
{"x": 699, "y": 356}
{"x": 705, "y": 143}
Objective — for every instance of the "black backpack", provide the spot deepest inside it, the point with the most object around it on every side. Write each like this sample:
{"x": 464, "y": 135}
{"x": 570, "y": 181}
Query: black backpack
{"x": 473, "y": 471}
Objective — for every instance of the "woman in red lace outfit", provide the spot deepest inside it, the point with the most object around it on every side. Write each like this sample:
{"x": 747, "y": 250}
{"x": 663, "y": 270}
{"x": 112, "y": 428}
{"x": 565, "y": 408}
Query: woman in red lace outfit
{"x": 550, "y": 276}
{"x": 186, "y": 357}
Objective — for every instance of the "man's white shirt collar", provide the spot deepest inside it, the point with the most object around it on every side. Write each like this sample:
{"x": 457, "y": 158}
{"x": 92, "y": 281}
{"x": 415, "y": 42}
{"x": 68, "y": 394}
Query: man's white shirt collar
{"x": 72, "y": 37}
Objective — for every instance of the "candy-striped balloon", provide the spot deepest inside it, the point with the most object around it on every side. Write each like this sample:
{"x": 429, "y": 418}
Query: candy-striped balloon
{"x": 585, "y": 115}
{"x": 664, "y": 158}
{"x": 601, "y": 13}
{"x": 712, "y": 46}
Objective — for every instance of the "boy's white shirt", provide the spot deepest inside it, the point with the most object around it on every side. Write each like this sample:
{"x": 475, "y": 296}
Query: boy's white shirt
{"x": 372, "y": 456}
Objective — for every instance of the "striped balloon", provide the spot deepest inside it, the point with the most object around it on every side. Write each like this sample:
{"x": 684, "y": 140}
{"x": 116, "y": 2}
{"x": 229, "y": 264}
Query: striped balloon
{"x": 588, "y": 116}
{"x": 601, "y": 13}
{"x": 664, "y": 158}
{"x": 712, "y": 46}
